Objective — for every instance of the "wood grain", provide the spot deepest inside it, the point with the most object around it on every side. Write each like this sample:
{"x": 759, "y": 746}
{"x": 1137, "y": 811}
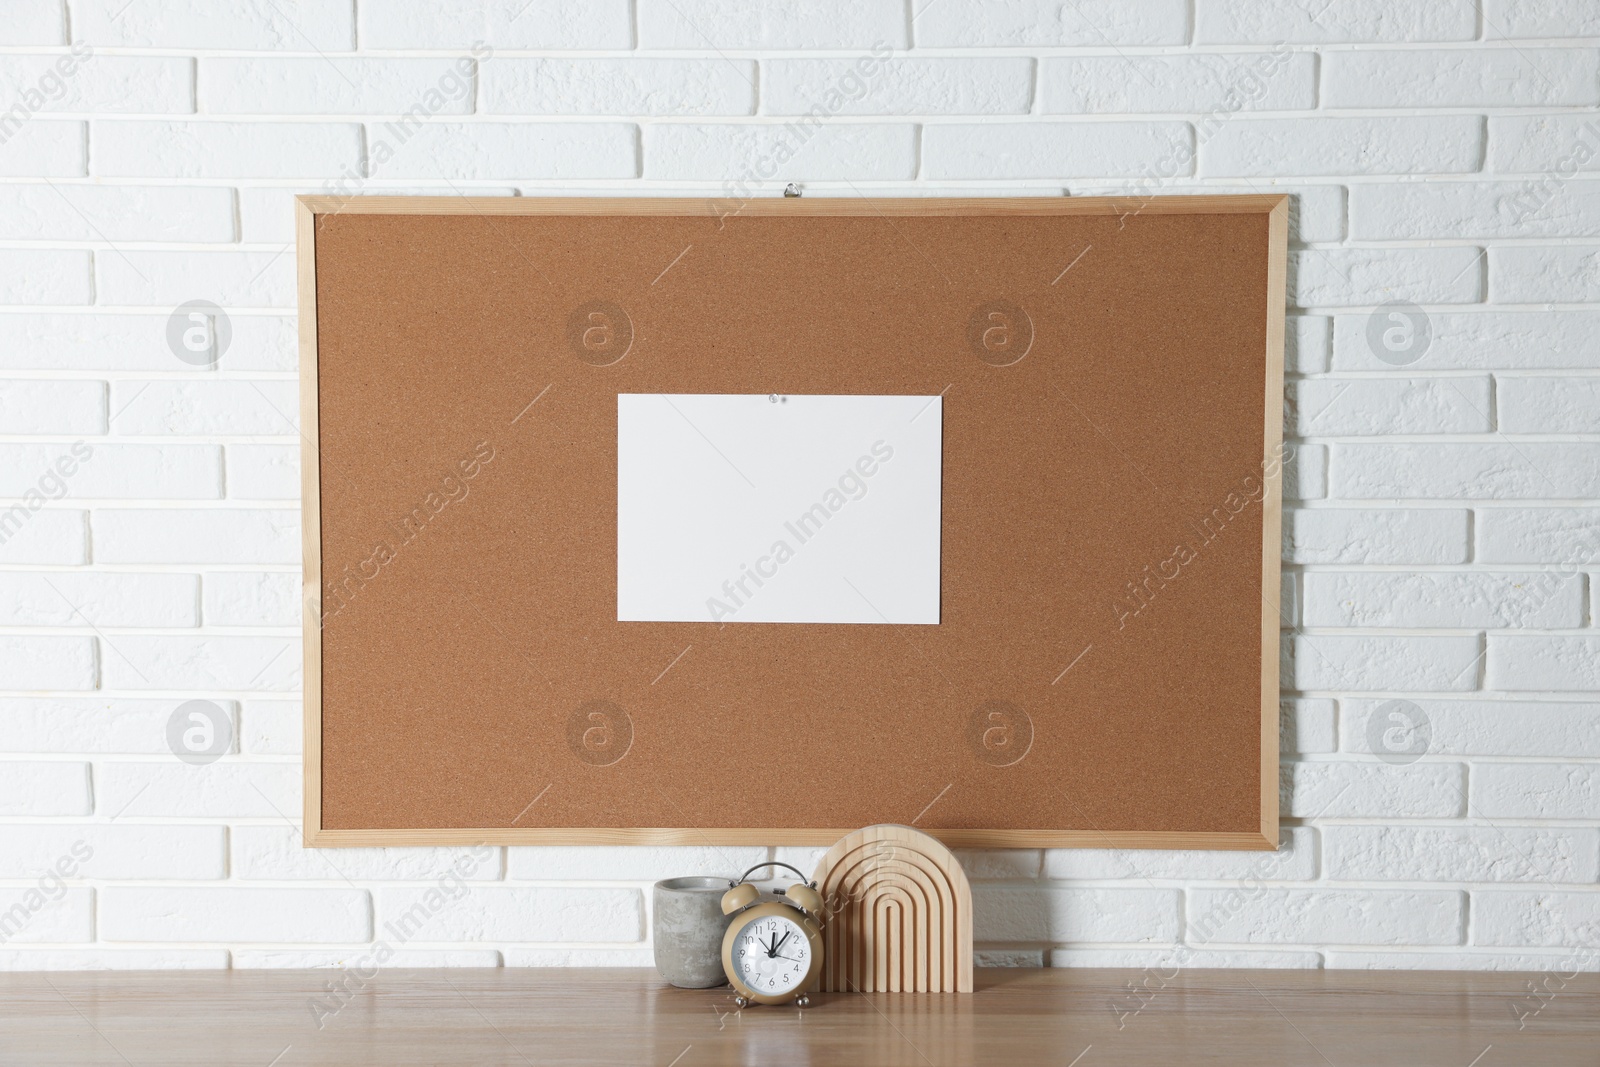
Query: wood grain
{"x": 517, "y": 1017}
{"x": 758, "y": 835}
{"x": 898, "y": 914}
{"x": 1272, "y": 460}
{"x": 305, "y": 225}
{"x": 814, "y": 207}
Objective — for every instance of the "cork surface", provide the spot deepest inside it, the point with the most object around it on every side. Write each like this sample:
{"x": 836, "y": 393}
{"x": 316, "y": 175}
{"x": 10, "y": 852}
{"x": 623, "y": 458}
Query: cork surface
{"x": 473, "y": 673}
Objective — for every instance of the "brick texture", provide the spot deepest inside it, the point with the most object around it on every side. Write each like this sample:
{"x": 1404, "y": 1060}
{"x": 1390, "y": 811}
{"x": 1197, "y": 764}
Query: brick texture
{"x": 1441, "y": 539}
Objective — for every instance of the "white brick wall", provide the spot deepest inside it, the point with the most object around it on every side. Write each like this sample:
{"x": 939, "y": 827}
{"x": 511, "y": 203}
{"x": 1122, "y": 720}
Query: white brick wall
{"x": 1440, "y": 542}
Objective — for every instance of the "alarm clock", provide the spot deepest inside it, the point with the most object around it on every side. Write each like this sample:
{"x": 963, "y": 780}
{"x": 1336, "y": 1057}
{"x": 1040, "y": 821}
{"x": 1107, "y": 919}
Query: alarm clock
{"x": 772, "y": 952}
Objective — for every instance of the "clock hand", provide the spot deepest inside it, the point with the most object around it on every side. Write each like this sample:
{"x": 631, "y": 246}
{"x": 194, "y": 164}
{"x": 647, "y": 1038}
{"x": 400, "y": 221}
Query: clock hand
{"x": 779, "y": 945}
{"x": 791, "y": 959}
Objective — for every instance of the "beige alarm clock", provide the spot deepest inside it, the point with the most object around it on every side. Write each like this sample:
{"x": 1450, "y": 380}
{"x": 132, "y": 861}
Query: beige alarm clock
{"x": 772, "y": 952}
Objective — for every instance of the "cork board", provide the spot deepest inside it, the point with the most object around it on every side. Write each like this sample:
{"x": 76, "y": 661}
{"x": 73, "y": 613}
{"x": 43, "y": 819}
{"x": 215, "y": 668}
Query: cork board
{"x": 1104, "y": 671}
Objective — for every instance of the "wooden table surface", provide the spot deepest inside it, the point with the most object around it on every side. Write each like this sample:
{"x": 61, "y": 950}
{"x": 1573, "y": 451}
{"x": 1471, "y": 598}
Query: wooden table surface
{"x": 1085, "y": 1018}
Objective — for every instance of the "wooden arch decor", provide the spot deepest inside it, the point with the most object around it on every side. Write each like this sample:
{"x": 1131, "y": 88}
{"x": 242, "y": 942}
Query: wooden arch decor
{"x": 897, "y": 914}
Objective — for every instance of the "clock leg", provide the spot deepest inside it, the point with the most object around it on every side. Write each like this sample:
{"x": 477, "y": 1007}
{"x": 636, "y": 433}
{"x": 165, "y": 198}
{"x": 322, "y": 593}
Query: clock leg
{"x": 741, "y": 1000}
{"x": 802, "y": 1001}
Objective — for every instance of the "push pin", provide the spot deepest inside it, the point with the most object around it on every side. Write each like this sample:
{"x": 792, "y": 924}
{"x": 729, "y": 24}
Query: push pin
{"x": 791, "y": 190}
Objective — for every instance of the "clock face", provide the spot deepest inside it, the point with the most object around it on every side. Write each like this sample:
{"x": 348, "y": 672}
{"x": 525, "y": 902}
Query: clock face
{"x": 772, "y": 955}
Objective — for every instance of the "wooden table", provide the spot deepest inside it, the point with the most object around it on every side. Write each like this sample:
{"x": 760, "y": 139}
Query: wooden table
{"x": 1086, "y": 1018}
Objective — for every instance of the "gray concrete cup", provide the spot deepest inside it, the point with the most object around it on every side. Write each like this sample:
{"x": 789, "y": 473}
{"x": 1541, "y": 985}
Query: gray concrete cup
{"x": 687, "y": 930}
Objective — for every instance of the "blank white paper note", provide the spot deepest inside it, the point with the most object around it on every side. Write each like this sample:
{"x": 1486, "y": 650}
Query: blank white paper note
{"x": 797, "y": 509}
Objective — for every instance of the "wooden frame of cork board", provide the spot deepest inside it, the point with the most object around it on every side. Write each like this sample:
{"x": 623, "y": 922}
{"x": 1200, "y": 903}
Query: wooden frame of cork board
{"x": 1104, "y": 672}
